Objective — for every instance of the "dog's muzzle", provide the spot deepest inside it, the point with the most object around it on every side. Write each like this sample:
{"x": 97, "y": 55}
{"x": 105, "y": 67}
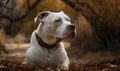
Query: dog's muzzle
{"x": 72, "y": 31}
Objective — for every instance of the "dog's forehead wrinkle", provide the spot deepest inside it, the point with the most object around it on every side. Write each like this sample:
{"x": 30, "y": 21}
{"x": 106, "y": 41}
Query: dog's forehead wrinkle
{"x": 64, "y": 17}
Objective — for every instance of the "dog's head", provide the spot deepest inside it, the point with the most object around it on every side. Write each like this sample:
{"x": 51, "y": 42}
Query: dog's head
{"x": 57, "y": 24}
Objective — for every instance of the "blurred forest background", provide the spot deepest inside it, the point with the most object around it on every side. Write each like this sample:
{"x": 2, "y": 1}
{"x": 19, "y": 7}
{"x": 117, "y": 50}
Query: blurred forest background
{"x": 97, "y": 24}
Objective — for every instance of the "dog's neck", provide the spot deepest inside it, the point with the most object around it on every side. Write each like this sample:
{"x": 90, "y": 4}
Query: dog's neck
{"x": 46, "y": 38}
{"x": 43, "y": 44}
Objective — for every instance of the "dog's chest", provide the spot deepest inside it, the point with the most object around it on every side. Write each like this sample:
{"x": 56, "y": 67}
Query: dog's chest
{"x": 49, "y": 53}
{"x": 51, "y": 57}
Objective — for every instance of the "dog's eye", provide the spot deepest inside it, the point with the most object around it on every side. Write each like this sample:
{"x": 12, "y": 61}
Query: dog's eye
{"x": 58, "y": 20}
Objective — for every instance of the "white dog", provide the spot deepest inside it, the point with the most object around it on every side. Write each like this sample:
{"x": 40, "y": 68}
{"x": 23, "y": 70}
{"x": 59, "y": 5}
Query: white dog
{"x": 46, "y": 47}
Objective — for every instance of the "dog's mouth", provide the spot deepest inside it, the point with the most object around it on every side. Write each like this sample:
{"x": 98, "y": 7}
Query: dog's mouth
{"x": 70, "y": 35}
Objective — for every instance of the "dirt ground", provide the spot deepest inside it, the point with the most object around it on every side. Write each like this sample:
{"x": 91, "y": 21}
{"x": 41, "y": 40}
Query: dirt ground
{"x": 15, "y": 51}
{"x": 12, "y": 61}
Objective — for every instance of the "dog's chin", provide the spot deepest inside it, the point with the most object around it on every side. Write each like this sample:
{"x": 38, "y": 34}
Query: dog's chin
{"x": 69, "y": 36}
{"x": 73, "y": 35}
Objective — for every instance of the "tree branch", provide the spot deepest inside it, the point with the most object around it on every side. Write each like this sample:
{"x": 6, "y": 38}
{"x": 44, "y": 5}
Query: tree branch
{"x": 85, "y": 9}
{"x": 24, "y": 15}
{"x": 28, "y": 3}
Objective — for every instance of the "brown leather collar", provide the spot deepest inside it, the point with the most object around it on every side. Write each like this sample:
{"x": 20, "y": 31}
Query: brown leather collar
{"x": 43, "y": 44}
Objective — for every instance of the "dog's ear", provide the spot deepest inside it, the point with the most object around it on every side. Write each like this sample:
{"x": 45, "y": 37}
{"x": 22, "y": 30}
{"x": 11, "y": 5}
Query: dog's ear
{"x": 41, "y": 15}
{"x": 61, "y": 11}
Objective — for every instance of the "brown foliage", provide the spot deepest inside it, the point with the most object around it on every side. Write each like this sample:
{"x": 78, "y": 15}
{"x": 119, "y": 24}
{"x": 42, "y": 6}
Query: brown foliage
{"x": 107, "y": 65}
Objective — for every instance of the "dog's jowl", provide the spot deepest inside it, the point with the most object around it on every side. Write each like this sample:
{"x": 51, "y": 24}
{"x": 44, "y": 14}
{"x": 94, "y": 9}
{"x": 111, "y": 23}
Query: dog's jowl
{"x": 46, "y": 47}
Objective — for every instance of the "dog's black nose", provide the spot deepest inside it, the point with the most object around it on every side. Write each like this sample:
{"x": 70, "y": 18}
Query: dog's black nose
{"x": 72, "y": 27}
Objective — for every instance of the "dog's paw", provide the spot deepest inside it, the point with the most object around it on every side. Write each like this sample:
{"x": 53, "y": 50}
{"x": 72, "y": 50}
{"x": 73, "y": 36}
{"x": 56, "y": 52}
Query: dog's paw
{"x": 49, "y": 69}
{"x": 62, "y": 68}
